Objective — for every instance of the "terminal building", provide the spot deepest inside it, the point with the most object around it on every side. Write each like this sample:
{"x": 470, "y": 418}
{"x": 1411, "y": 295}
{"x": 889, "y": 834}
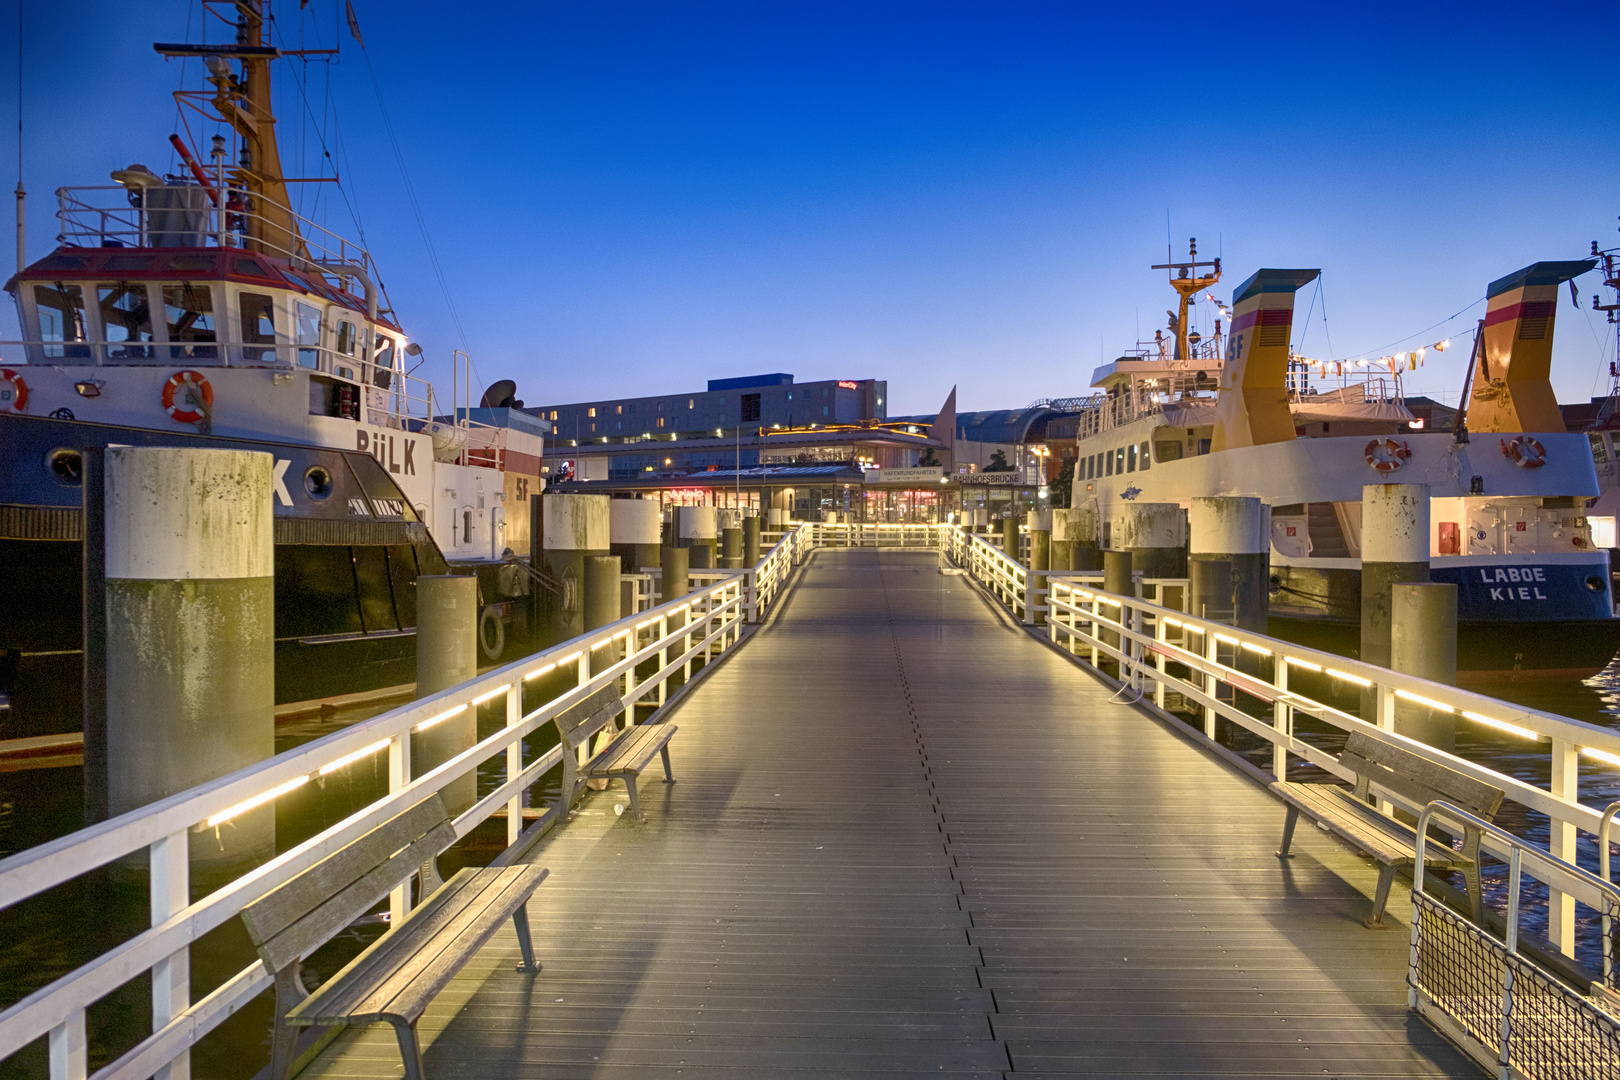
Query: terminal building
{"x": 818, "y": 451}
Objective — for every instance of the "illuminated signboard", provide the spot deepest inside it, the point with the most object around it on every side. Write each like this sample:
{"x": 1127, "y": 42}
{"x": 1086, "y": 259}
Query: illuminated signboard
{"x": 843, "y": 385}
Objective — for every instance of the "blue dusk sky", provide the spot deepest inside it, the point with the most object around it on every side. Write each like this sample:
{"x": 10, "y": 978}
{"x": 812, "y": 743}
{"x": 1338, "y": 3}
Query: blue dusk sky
{"x": 635, "y": 198}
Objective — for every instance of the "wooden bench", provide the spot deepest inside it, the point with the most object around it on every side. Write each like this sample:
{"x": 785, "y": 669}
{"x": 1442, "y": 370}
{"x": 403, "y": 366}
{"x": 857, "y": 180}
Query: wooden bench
{"x": 623, "y": 758}
{"x": 1415, "y": 780}
{"x": 394, "y": 979}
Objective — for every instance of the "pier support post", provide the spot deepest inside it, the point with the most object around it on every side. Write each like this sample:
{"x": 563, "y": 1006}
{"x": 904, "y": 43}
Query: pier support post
{"x": 634, "y": 532}
{"x": 731, "y": 548}
{"x": 696, "y": 529}
{"x": 1062, "y": 548}
{"x": 1040, "y": 560}
{"x": 603, "y": 604}
{"x": 1394, "y": 549}
{"x": 675, "y": 581}
{"x": 1084, "y": 533}
{"x": 751, "y": 540}
{"x": 1229, "y": 560}
{"x": 1423, "y": 642}
{"x": 576, "y": 526}
{"x": 1117, "y": 579}
{"x": 1009, "y": 537}
{"x": 1154, "y": 534}
{"x": 190, "y": 633}
{"x": 446, "y": 656}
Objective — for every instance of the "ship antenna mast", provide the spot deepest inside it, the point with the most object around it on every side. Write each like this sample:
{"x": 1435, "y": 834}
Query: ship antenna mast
{"x": 1188, "y": 284}
{"x": 1611, "y": 278}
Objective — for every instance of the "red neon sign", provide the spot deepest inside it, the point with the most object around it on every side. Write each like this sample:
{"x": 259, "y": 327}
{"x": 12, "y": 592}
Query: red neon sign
{"x": 843, "y": 385}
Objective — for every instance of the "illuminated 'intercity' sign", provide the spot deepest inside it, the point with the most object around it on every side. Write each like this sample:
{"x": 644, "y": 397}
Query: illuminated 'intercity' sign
{"x": 844, "y": 385}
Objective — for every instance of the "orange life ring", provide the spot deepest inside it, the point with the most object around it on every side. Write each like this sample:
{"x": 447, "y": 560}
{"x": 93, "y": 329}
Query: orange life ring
{"x": 1387, "y": 455}
{"x": 179, "y": 413}
{"x": 18, "y": 390}
{"x": 1525, "y": 452}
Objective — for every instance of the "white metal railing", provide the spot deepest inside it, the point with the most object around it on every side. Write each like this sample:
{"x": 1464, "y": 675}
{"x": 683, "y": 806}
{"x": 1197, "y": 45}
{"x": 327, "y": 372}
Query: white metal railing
{"x": 195, "y": 216}
{"x": 1160, "y": 649}
{"x": 700, "y": 627}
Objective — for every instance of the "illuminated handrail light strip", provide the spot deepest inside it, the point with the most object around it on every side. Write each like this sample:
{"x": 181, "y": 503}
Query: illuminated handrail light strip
{"x": 535, "y": 674}
{"x": 1601, "y": 755}
{"x": 1512, "y": 729}
{"x": 1227, "y": 638}
{"x": 1306, "y": 664}
{"x": 495, "y": 693}
{"x": 258, "y": 800}
{"x": 1347, "y": 677}
{"x": 439, "y": 719}
{"x": 350, "y": 759}
{"x": 1252, "y": 647}
{"x": 1421, "y": 700}
{"x": 1168, "y": 621}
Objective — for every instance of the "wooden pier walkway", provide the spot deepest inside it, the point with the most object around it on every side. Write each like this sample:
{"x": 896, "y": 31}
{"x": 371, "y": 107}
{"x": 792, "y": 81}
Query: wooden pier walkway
{"x": 907, "y": 839}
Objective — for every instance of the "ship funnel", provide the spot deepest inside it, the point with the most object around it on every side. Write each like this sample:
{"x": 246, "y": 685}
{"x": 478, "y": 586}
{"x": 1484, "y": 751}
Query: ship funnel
{"x": 1252, "y": 408}
{"x": 1512, "y": 387}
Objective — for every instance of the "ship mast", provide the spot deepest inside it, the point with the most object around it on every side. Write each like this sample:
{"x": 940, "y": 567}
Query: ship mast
{"x": 244, "y": 103}
{"x": 1188, "y": 286}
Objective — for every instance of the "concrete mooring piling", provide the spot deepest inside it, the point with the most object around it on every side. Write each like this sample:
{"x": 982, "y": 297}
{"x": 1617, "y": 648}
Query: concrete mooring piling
{"x": 674, "y": 577}
{"x": 1084, "y": 533}
{"x": 1394, "y": 549}
{"x": 576, "y": 527}
{"x": 1423, "y": 642}
{"x": 446, "y": 656}
{"x": 635, "y": 532}
{"x": 696, "y": 529}
{"x": 602, "y": 601}
{"x": 731, "y": 548}
{"x": 1155, "y": 535}
{"x": 751, "y": 540}
{"x": 1062, "y": 548}
{"x": 1009, "y": 538}
{"x": 1040, "y": 555}
{"x": 1229, "y": 560}
{"x": 1117, "y": 579}
{"x": 190, "y": 633}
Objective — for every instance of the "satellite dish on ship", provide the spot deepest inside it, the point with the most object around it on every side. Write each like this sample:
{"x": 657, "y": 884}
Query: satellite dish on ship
{"x": 499, "y": 396}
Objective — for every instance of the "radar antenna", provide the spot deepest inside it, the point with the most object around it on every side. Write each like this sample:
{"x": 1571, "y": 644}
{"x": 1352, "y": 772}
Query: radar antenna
{"x": 1187, "y": 283}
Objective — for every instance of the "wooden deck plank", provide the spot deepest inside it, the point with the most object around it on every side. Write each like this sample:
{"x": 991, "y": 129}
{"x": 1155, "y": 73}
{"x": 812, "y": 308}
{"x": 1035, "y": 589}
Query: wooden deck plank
{"x": 907, "y": 839}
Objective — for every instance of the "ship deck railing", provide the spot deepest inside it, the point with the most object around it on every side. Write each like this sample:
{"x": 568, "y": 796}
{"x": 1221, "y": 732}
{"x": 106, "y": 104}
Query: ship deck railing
{"x": 105, "y": 215}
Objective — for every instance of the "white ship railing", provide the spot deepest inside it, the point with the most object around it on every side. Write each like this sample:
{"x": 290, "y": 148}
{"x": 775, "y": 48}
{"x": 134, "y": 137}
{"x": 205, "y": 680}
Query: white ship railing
{"x": 1158, "y": 650}
{"x": 103, "y": 216}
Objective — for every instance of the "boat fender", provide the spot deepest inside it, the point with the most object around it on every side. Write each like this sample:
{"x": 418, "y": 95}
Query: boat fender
{"x": 13, "y": 389}
{"x": 182, "y": 412}
{"x": 1387, "y": 455}
{"x": 491, "y": 634}
{"x": 1525, "y": 452}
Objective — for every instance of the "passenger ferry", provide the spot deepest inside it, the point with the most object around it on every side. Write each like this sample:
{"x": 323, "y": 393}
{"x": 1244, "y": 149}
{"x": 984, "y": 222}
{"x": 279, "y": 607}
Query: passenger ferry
{"x": 1236, "y": 414}
{"x": 195, "y": 308}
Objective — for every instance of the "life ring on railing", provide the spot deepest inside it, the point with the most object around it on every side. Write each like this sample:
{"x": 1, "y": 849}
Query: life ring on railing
{"x": 491, "y": 634}
{"x": 13, "y": 390}
{"x": 1387, "y": 455}
{"x": 180, "y": 412}
{"x": 1525, "y": 452}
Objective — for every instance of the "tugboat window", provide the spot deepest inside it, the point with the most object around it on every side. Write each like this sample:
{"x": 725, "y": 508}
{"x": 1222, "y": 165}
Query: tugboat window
{"x": 383, "y": 351}
{"x": 309, "y": 335}
{"x": 189, "y": 310}
{"x": 318, "y": 482}
{"x": 347, "y": 338}
{"x": 126, "y": 318}
{"x": 61, "y": 320}
{"x": 258, "y": 327}
{"x": 66, "y": 465}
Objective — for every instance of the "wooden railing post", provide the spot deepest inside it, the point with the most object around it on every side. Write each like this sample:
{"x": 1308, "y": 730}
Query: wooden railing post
{"x": 1561, "y": 845}
{"x": 514, "y": 761}
{"x": 170, "y": 861}
{"x": 399, "y": 774}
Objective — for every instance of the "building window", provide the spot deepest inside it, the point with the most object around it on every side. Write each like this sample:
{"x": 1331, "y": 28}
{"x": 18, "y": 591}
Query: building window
{"x": 554, "y": 414}
{"x": 824, "y": 410}
{"x": 691, "y": 403}
{"x": 750, "y": 408}
{"x": 591, "y": 412}
{"x": 660, "y": 421}
{"x": 618, "y": 410}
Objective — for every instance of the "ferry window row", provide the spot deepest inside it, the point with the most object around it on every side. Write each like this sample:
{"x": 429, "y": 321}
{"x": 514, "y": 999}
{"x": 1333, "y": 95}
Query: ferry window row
{"x": 1120, "y": 460}
{"x": 199, "y": 322}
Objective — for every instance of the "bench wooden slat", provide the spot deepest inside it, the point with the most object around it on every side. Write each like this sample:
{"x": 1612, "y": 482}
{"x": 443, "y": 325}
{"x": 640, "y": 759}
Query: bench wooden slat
{"x": 1416, "y": 778}
{"x": 1341, "y": 811}
{"x": 583, "y": 719}
{"x": 353, "y": 993}
{"x": 309, "y": 910}
{"x": 407, "y": 992}
{"x": 631, "y": 752}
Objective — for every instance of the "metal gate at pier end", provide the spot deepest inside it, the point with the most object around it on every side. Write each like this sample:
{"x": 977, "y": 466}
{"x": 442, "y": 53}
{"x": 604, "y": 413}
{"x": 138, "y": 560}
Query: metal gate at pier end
{"x": 1507, "y": 1011}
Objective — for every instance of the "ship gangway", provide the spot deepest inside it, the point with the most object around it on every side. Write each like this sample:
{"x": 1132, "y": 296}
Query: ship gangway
{"x": 934, "y": 815}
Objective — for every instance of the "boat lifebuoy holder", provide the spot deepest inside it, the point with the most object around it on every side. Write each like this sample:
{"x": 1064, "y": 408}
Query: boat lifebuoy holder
{"x": 1387, "y": 455}
{"x": 13, "y": 390}
{"x": 1525, "y": 452}
{"x": 196, "y": 399}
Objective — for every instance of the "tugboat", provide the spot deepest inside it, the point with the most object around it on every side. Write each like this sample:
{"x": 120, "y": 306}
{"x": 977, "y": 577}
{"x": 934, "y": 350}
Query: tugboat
{"x": 198, "y": 309}
{"x": 1235, "y": 414}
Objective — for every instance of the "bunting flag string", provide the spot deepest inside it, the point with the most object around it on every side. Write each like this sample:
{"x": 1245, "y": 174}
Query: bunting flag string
{"x": 1408, "y": 360}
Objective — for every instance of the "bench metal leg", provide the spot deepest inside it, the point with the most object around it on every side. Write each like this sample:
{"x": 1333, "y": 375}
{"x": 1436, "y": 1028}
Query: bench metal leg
{"x": 520, "y": 923}
{"x": 1386, "y": 878}
{"x": 1287, "y": 849}
{"x": 663, "y": 752}
{"x": 635, "y": 802}
{"x": 410, "y": 1049}
{"x": 284, "y": 1039}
